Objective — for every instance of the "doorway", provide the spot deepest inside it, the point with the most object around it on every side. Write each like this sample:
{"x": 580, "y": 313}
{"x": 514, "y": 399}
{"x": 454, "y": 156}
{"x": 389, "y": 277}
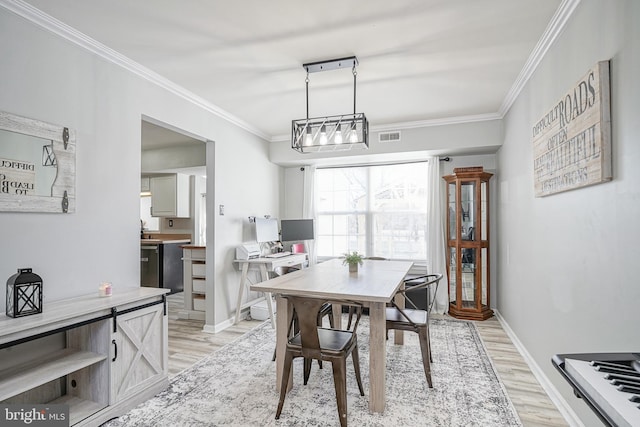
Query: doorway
{"x": 167, "y": 151}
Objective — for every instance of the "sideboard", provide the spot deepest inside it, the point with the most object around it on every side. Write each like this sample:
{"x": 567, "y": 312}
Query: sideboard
{"x": 101, "y": 356}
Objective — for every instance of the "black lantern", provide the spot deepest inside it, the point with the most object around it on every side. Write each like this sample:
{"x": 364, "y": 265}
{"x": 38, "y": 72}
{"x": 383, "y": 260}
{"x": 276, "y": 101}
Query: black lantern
{"x": 24, "y": 293}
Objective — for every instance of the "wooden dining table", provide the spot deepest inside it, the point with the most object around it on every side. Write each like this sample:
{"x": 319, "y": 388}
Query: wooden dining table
{"x": 374, "y": 285}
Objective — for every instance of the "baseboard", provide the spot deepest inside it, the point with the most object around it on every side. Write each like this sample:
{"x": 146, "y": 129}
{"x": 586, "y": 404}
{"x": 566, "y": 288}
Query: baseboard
{"x": 218, "y": 327}
{"x": 567, "y": 412}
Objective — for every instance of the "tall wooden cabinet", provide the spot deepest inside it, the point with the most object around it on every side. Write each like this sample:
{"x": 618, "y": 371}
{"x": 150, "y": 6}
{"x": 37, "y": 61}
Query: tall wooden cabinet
{"x": 468, "y": 243}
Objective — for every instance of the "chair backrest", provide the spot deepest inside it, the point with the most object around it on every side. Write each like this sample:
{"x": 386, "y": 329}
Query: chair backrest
{"x": 307, "y": 310}
{"x": 422, "y": 282}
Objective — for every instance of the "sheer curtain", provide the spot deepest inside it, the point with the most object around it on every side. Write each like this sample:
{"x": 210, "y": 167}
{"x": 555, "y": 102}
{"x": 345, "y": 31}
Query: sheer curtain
{"x": 309, "y": 209}
{"x": 436, "y": 255}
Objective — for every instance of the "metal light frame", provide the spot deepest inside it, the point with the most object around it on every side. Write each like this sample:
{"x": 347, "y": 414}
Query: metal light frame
{"x": 330, "y": 133}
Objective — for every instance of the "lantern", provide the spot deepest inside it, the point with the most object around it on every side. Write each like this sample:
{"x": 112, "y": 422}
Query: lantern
{"x": 24, "y": 293}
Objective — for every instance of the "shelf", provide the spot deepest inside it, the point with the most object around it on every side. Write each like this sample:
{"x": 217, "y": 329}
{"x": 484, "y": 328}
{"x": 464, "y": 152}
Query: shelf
{"x": 27, "y": 376}
{"x": 79, "y": 409}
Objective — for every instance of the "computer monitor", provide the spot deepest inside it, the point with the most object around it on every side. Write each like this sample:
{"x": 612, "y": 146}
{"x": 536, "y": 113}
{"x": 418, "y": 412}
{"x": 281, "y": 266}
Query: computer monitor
{"x": 296, "y": 229}
{"x": 267, "y": 230}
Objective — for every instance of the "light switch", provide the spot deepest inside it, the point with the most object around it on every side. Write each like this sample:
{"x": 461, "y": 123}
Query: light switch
{"x": 221, "y": 210}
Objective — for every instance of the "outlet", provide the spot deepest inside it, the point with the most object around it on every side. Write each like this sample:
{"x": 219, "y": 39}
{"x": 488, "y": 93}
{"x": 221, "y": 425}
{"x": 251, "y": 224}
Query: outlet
{"x": 170, "y": 223}
{"x": 221, "y": 210}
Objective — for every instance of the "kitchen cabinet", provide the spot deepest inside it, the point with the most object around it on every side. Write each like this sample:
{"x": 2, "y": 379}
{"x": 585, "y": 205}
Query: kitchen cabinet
{"x": 170, "y": 196}
{"x": 99, "y": 356}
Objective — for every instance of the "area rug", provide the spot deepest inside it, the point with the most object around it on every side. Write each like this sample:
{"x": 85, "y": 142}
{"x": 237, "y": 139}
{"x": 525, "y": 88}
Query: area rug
{"x": 235, "y": 386}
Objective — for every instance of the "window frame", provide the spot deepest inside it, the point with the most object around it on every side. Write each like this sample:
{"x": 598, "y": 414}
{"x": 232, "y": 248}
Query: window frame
{"x": 367, "y": 213}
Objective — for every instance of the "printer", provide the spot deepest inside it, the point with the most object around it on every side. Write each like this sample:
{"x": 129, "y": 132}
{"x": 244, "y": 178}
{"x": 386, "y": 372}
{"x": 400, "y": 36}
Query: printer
{"x": 248, "y": 251}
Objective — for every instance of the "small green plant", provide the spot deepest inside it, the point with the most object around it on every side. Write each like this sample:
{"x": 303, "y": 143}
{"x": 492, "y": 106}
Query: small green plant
{"x": 353, "y": 258}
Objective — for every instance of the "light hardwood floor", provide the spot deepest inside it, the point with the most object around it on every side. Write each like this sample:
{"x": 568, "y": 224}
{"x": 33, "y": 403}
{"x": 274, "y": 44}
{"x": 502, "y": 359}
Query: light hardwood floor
{"x": 188, "y": 344}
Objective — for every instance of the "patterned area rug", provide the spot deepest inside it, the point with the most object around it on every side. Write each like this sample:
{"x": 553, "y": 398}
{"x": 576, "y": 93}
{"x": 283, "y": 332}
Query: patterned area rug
{"x": 235, "y": 387}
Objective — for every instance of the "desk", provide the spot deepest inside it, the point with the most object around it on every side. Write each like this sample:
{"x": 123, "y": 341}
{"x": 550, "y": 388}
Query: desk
{"x": 265, "y": 265}
{"x": 375, "y": 284}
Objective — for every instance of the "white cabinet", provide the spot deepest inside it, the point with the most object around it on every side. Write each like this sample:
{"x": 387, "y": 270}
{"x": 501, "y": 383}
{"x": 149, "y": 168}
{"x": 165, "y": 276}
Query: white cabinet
{"x": 194, "y": 271}
{"x": 139, "y": 351}
{"x": 67, "y": 354}
{"x": 170, "y": 196}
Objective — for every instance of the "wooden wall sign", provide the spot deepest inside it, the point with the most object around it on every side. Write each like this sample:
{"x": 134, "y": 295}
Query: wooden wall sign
{"x": 572, "y": 141}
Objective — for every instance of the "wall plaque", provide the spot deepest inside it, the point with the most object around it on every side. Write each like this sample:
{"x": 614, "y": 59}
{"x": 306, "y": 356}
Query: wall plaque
{"x": 572, "y": 141}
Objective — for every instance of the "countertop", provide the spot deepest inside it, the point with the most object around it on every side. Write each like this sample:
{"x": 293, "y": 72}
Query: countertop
{"x": 163, "y": 241}
{"x": 164, "y": 238}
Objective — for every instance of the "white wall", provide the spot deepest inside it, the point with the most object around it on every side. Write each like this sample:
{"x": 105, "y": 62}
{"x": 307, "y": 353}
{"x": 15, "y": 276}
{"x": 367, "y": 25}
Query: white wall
{"x": 567, "y": 263}
{"x": 46, "y": 77}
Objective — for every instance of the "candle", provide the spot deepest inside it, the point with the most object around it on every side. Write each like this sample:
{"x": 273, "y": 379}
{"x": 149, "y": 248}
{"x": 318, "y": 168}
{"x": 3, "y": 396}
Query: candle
{"x": 105, "y": 289}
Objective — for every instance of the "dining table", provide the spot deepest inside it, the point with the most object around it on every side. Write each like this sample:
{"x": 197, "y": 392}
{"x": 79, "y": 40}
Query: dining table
{"x": 374, "y": 285}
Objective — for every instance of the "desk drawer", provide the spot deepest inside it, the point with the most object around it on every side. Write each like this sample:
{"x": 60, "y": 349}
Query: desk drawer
{"x": 289, "y": 261}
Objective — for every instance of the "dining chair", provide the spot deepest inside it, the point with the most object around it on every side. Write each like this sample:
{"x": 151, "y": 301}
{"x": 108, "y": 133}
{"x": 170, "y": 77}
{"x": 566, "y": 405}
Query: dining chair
{"x": 415, "y": 319}
{"x": 323, "y": 344}
{"x": 325, "y": 310}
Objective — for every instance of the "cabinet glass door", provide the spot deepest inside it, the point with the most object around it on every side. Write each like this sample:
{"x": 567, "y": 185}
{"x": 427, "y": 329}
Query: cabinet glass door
{"x": 452, "y": 274}
{"x": 468, "y": 209}
{"x": 452, "y": 211}
{"x": 485, "y": 276}
{"x": 469, "y": 278}
{"x": 483, "y": 211}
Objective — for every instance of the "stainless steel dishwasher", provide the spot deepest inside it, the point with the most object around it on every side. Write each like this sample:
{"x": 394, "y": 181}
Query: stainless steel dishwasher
{"x": 150, "y": 265}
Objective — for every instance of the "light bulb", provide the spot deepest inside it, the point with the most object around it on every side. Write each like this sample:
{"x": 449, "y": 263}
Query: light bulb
{"x": 308, "y": 139}
{"x": 323, "y": 135}
{"x": 353, "y": 135}
{"x": 338, "y": 136}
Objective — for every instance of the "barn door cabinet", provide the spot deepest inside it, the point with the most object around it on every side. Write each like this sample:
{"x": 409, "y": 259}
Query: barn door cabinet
{"x": 468, "y": 243}
{"x": 139, "y": 341}
{"x": 99, "y": 356}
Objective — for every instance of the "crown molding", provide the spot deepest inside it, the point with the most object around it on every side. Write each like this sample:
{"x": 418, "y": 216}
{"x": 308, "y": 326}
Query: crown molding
{"x": 47, "y": 22}
{"x": 553, "y": 30}
{"x": 37, "y": 17}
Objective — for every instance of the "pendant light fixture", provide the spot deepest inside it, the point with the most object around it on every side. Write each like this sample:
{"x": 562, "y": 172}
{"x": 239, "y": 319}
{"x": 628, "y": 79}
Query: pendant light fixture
{"x": 326, "y": 133}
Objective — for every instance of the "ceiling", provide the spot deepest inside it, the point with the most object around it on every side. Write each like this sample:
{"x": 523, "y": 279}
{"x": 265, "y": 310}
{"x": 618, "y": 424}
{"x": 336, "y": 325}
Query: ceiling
{"x": 420, "y": 61}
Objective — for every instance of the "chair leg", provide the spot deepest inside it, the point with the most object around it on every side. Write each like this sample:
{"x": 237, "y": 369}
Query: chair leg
{"x": 288, "y": 359}
{"x": 307, "y": 369}
{"x": 340, "y": 384}
{"x": 423, "y": 333}
{"x": 351, "y": 313}
{"x": 356, "y": 368}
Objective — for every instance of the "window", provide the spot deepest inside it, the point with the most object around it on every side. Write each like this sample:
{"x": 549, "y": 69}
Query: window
{"x": 375, "y": 210}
